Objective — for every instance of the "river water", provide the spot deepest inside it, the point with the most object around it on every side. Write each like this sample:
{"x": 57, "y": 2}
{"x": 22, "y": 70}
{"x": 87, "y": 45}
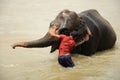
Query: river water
{"x": 26, "y": 20}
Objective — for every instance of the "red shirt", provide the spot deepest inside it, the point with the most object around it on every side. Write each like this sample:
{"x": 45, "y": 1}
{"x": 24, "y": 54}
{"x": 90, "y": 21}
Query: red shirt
{"x": 66, "y": 45}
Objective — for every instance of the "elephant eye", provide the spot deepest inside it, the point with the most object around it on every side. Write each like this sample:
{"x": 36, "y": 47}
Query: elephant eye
{"x": 69, "y": 18}
{"x": 61, "y": 17}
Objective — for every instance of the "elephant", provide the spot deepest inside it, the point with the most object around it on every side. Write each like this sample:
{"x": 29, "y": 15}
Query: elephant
{"x": 103, "y": 36}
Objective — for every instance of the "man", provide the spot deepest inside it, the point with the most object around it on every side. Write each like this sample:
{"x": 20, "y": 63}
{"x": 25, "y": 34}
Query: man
{"x": 66, "y": 44}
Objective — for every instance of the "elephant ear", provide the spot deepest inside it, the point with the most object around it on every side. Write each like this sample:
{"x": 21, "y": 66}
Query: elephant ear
{"x": 55, "y": 46}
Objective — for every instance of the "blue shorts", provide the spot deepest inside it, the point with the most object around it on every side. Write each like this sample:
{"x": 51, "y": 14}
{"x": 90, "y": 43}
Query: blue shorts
{"x": 65, "y": 61}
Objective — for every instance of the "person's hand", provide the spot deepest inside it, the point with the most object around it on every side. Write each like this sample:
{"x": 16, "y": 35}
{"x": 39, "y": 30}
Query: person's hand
{"x": 55, "y": 27}
{"x": 20, "y": 44}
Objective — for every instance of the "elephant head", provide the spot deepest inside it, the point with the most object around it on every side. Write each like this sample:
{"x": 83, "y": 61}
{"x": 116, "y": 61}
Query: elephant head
{"x": 65, "y": 20}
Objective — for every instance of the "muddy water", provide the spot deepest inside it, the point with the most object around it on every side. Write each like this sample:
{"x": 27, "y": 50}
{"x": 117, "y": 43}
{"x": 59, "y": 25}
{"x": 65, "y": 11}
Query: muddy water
{"x": 25, "y": 20}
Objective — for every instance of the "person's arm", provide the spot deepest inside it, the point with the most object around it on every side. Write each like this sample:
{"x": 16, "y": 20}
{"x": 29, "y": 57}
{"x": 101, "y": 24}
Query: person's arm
{"x": 79, "y": 43}
{"x": 86, "y": 38}
{"x": 89, "y": 32}
{"x": 52, "y": 31}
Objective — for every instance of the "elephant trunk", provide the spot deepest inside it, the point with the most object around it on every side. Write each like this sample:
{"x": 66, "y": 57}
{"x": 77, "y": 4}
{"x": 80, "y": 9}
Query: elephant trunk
{"x": 46, "y": 41}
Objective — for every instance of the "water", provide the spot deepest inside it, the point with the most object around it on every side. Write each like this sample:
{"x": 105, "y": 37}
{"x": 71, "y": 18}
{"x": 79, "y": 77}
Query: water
{"x": 25, "y": 20}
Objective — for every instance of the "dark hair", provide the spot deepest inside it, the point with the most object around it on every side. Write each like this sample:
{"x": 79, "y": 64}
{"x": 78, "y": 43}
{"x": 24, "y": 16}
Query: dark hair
{"x": 64, "y": 31}
{"x": 74, "y": 33}
{"x": 78, "y": 35}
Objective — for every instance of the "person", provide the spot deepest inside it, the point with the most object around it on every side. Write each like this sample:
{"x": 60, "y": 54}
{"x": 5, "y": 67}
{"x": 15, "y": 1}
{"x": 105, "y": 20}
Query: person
{"x": 66, "y": 44}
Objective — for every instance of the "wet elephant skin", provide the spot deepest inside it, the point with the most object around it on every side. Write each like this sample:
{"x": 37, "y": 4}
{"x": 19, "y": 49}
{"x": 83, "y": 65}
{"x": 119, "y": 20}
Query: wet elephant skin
{"x": 103, "y": 36}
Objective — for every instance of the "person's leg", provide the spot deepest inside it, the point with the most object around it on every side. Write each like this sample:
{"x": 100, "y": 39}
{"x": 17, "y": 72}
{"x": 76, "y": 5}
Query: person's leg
{"x": 62, "y": 61}
{"x": 69, "y": 61}
{"x": 66, "y": 61}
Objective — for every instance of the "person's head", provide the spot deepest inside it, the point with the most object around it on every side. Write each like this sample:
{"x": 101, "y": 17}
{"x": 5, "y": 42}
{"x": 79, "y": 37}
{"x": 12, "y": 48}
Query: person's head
{"x": 64, "y": 31}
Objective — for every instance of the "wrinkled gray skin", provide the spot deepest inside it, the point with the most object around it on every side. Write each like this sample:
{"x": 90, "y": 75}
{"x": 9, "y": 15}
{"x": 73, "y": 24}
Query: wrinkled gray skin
{"x": 103, "y": 35}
